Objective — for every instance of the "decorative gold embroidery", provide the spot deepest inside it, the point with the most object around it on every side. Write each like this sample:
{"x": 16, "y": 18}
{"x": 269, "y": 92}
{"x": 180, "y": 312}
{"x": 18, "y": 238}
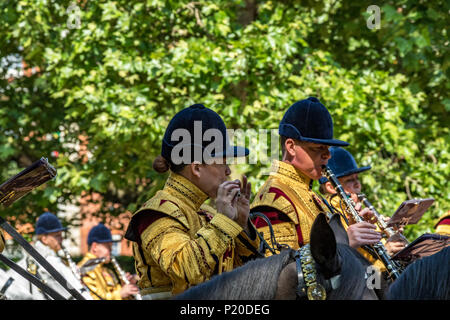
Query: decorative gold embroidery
{"x": 297, "y": 187}
{"x": 288, "y": 170}
{"x": 184, "y": 190}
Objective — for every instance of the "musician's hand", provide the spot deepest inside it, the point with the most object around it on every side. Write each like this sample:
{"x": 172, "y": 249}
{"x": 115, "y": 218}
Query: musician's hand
{"x": 243, "y": 204}
{"x": 131, "y": 278}
{"x": 398, "y": 229}
{"x": 394, "y": 246}
{"x": 128, "y": 290}
{"x": 366, "y": 213}
{"x": 362, "y": 233}
{"x": 226, "y": 202}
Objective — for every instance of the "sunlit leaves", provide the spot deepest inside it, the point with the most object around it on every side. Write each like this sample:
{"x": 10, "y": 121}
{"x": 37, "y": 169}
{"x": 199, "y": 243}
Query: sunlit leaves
{"x": 111, "y": 87}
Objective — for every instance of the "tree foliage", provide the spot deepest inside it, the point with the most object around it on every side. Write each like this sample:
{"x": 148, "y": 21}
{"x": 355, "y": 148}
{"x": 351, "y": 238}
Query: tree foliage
{"x": 103, "y": 93}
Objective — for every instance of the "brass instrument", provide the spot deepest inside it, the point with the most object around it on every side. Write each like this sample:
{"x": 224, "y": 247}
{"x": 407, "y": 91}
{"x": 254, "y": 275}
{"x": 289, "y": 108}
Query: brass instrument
{"x": 122, "y": 275}
{"x": 388, "y": 231}
{"x": 393, "y": 268}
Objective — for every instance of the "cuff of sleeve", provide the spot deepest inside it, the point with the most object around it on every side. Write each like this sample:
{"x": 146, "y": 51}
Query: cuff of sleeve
{"x": 226, "y": 225}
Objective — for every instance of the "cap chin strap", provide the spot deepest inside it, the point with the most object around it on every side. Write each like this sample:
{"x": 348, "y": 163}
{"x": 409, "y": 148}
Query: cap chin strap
{"x": 308, "y": 285}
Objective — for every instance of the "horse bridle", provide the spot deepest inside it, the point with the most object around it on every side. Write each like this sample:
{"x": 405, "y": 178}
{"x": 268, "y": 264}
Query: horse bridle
{"x": 308, "y": 285}
{"x": 263, "y": 243}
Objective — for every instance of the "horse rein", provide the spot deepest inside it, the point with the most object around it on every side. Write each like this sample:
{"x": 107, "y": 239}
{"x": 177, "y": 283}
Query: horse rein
{"x": 308, "y": 285}
{"x": 264, "y": 245}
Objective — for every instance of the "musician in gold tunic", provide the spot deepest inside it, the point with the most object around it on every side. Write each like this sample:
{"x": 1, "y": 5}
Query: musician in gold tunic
{"x": 443, "y": 224}
{"x": 344, "y": 166}
{"x": 286, "y": 198}
{"x": 178, "y": 240}
{"x": 101, "y": 281}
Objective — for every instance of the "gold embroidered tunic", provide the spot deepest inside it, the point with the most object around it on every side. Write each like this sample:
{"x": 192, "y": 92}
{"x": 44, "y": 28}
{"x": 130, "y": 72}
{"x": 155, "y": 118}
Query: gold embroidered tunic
{"x": 336, "y": 203}
{"x": 180, "y": 242}
{"x": 443, "y": 224}
{"x": 287, "y": 191}
{"x": 101, "y": 281}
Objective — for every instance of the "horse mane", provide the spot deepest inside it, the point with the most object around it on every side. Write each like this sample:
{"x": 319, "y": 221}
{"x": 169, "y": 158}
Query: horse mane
{"x": 434, "y": 283}
{"x": 255, "y": 280}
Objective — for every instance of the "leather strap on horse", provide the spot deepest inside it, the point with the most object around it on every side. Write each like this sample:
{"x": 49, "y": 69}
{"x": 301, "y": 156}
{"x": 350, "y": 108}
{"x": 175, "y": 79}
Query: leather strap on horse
{"x": 39, "y": 258}
{"x": 264, "y": 245}
{"x": 51, "y": 292}
{"x": 301, "y": 285}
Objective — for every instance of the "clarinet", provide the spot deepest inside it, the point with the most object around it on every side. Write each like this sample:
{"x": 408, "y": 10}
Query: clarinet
{"x": 122, "y": 275}
{"x": 392, "y": 267}
{"x": 388, "y": 231}
{"x": 75, "y": 269}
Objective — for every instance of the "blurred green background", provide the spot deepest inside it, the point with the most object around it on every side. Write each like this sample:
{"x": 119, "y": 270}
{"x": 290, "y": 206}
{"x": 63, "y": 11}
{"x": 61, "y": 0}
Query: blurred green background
{"x": 113, "y": 73}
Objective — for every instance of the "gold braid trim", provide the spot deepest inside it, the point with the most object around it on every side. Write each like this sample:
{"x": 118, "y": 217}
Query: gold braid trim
{"x": 219, "y": 241}
{"x": 226, "y": 225}
{"x": 178, "y": 195}
{"x": 184, "y": 189}
{"x": 168, "y": 207}
{"x": 201, "y": 261}
{"x": 296, "y": 186}
{"x": 162, "y": 233}
{"x": 280, "y": 204}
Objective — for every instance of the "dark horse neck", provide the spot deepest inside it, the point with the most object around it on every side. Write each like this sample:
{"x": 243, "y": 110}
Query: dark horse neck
{"x": 275, "y": 277}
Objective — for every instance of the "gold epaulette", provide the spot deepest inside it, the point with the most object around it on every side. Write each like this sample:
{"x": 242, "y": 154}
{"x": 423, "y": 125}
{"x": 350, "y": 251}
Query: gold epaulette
{"x": 266, "y": 199}
{"x": 165, "y": 203}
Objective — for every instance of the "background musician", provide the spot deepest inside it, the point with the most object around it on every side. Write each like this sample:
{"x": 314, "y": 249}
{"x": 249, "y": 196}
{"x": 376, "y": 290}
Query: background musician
{"x": 102, "y": 281}
{"x": 287, "y": 198}
{"x": 49, "y": 231}
{"x": 346, "y": 170}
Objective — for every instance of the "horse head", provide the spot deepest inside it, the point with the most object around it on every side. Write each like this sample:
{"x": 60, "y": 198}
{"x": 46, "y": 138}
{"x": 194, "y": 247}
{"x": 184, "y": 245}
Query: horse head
{"x": 326, "y": 268}
{"x": 337, "y": 268}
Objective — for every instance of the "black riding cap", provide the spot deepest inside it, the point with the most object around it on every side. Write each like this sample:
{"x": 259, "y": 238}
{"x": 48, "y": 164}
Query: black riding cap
{"x": 342, "y": 164}
{"x": 202, "y": 133}
{"x": 309, "y": 120}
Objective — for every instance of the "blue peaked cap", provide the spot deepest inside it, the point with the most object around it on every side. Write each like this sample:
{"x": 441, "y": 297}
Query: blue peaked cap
{"x": 99, "y": 234}
{"x": 48, "y": 223}
{"x": 309, "y": 120}
{"x": 185, "y": 119}
{"x": 342, "y": 164}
